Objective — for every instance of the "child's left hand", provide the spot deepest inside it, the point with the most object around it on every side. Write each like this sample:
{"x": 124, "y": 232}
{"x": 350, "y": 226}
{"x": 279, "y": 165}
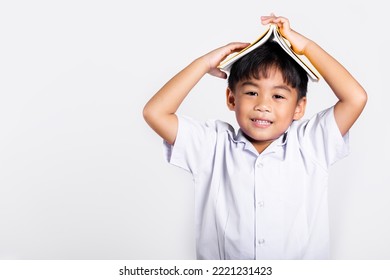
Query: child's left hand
{"x": 298, "y": 42}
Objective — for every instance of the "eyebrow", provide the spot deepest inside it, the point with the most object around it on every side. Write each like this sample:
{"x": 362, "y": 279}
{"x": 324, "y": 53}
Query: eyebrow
{"x": 248, "y": 83}
{"x": 283, "y": 87}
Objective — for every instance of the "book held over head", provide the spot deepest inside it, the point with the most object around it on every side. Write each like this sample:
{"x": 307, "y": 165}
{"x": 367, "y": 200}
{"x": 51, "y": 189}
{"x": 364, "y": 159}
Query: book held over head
{"x": 271, "y": 34}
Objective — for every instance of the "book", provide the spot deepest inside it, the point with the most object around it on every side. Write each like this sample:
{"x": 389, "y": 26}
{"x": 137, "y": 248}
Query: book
{"x": 272, "y": 33}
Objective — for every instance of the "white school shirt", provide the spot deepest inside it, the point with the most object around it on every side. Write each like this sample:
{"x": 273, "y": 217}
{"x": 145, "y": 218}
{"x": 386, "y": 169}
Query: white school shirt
{"x": 271, "y": 205}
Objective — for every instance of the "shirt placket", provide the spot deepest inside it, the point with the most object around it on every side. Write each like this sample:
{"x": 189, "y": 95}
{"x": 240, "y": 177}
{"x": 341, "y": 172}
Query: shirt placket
{"x": 268, "y": 212}
{"x": 260, "y": 205}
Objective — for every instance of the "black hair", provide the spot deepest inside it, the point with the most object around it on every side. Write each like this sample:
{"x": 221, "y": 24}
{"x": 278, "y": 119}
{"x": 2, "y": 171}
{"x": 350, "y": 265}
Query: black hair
{"x": 258, "y": 64}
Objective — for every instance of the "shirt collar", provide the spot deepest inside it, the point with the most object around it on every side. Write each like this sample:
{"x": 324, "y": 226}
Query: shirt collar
{"x": 277, "y": 147}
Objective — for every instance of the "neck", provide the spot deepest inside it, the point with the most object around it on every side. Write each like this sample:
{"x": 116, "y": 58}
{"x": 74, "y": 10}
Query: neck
{"x": 260, "y": 146}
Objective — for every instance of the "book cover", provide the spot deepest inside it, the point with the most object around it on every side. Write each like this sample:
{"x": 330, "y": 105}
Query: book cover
{"x": 271, "y": 34}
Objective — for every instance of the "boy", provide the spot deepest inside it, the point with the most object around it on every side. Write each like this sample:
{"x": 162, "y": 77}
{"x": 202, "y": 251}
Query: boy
{"x": 261, "y": 193}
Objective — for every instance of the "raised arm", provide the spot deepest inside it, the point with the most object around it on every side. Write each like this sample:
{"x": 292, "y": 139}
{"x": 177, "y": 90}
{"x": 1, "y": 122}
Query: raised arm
{"x": 160, "y": 110}
{"x": 351, "y": 96}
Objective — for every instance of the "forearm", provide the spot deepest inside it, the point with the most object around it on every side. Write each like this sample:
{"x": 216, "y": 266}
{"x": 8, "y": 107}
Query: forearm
{"x": 168, "y": 99}
{"x": 160, "y": 110}
{"x": 342, "y": 83}
{"x": 351, "y": 95}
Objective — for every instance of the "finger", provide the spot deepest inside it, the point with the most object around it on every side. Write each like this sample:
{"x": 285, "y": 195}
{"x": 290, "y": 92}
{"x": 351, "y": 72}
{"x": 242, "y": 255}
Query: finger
{"x": 279, "y": 21}
{"x": 219, "y": 74}
{"x": 268, "y": 19}
{"x": 222, "y": 75}
{"x": 265, "y": 20}
{"x": 237, "y": 45}
{"x": 282, "y": 22}
{"x": 271, "y": 15}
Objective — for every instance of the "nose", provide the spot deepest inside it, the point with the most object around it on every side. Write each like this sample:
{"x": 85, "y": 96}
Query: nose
{"x": 262, "y": 105}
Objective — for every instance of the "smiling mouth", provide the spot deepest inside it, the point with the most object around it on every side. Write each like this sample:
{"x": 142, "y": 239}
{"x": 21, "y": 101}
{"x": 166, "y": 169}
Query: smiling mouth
{"x": 261, "y": 122}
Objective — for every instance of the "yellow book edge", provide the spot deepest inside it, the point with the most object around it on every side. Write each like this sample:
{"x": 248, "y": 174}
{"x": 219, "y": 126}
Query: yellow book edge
{"x": 272, "y": 31}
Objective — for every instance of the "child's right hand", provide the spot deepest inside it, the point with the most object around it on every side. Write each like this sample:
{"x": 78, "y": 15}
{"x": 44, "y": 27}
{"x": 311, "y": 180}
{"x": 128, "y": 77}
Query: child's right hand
{"x": 215, "y": 57}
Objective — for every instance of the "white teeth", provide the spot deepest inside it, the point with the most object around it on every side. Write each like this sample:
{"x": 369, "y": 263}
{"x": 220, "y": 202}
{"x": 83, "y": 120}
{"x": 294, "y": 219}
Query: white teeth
{"x": 262, "y": 122}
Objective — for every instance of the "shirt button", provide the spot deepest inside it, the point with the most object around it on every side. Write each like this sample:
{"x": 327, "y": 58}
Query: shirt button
{"x": 259, "y": 165}
{"x": 260, "y": 204}
{"x": 261, "y": 242}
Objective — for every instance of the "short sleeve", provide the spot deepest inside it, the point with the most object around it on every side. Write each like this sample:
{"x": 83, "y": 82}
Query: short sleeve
{"x": 321, "y": 137}
{"x": 192, "y": 140}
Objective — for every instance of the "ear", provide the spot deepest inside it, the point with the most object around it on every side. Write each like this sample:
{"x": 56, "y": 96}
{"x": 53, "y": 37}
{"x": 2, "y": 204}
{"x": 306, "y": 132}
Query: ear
{"x": 300, "y": 109}
{"x": 230, "y": 99}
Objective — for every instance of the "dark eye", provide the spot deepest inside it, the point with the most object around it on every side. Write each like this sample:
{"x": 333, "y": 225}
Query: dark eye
{"x": 251, "y": 93}
{"x": 277, "y": 96}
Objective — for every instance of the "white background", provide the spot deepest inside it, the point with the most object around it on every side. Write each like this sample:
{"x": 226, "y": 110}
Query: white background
{"x": 81, "y": 174}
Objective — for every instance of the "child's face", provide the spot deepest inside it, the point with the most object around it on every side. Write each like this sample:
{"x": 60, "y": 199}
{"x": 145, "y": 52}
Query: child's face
{"x": 265, "y": 108}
